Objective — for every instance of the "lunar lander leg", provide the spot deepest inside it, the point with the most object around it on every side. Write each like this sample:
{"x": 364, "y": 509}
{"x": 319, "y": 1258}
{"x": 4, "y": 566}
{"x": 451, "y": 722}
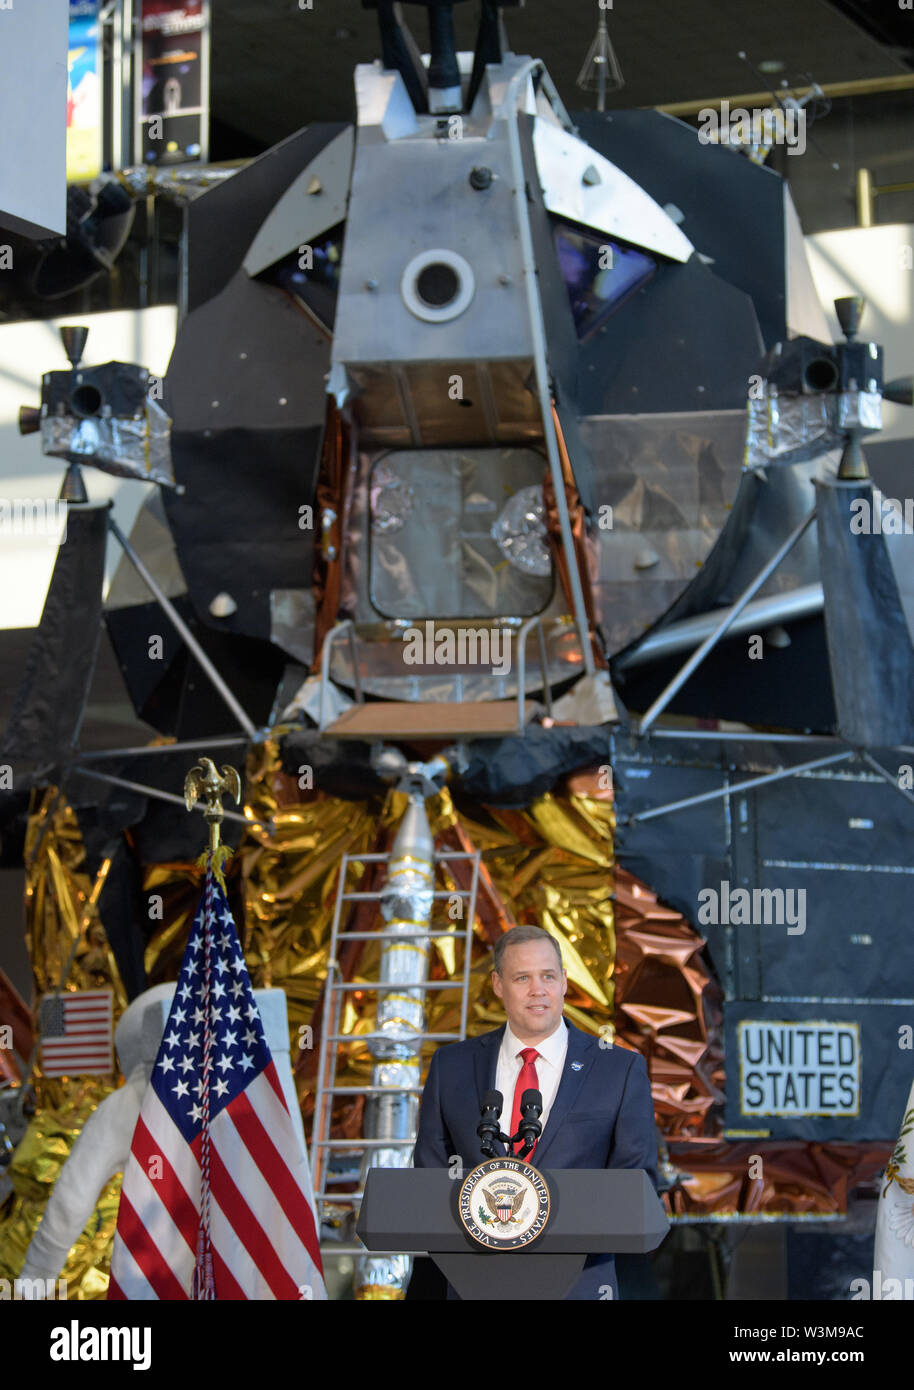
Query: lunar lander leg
{"x": 406, "y": 906}
{"x": 396, "y": 1041}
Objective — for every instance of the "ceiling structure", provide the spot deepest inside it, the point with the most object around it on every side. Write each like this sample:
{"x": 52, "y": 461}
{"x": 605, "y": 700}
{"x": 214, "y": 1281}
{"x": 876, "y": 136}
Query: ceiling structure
{"x": 277, "y": 67}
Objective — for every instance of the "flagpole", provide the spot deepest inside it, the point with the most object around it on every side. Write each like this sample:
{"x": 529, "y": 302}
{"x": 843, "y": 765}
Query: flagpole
{"x": 204, "y": 1287}
{"x": 204, "y": 781}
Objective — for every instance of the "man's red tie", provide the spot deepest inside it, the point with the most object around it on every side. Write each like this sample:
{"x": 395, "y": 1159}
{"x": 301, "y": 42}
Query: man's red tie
{"x": 527, "y": 1081}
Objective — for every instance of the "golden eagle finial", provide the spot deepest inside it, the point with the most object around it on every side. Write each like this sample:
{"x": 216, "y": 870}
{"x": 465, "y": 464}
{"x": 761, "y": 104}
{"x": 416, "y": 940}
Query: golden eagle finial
{"x": 204, "y": 783}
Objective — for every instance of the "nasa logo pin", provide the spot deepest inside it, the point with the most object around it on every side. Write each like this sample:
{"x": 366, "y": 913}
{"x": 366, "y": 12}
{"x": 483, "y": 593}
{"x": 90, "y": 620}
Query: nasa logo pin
{"x": 576, "y": 1066}
{"x": 504, "y": 1204}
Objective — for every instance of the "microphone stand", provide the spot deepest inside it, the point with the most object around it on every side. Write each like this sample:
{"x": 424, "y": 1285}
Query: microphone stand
{"x": 494, "y": 1133}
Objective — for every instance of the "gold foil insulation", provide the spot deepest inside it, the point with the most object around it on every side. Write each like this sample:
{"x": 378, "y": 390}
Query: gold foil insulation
{"x": 61, "y": 913}
{"x": 35, "y": 1167}
{"x": 61, "y": 904}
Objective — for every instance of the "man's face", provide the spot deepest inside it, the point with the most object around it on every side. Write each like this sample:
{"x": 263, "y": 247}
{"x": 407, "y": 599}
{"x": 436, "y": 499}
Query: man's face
{"x": 532, "y": 987}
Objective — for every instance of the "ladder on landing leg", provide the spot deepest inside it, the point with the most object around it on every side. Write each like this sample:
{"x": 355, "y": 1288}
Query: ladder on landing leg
{"x": 337, "y": 1163}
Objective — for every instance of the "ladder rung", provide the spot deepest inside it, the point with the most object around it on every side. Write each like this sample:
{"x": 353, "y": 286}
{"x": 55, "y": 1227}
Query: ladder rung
{"x": 410, "y": 984}
{"x": 363, "y": 1143}
{"x": 400, "y": 1042}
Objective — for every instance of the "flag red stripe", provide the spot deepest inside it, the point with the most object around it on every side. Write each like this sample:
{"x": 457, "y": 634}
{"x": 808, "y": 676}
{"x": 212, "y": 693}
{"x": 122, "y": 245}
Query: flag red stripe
{"x": 170, "y": 1188}
{"x": 135, "y": 1236}
{"x": 114, "y": 1289}
{"x": 92, "y": 1055}
{"x": 272, "y": 1076}
{"x": 247, "y": 1228}
{"x": 271, "y": 1163}
{"x": 76, "y": 1044}
{"x": 60, "y": 1058}
{"x": 227, "y": 1285}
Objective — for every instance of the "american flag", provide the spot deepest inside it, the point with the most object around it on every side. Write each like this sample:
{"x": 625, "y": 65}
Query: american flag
{"x": 216, "y": 1200}
{"x": 76, "y": 1034}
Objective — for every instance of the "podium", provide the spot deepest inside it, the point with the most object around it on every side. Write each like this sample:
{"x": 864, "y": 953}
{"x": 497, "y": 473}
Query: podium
{"x": 603, "y": 1211}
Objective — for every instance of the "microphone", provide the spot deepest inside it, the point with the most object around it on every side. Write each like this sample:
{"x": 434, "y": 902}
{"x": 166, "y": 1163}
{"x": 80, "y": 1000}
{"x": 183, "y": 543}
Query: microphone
{"x": 488, "y": 1129}
{"x": 530, "y": 1129}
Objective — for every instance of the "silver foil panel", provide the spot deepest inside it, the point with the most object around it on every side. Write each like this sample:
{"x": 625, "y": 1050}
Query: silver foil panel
{"x": 128, "y": 448}
{"x": 431, "y": 549}
{"x": 663, "y": 487}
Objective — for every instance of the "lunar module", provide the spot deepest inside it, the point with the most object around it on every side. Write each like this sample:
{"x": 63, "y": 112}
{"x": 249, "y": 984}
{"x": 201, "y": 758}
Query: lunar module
{"x": 509, "y": 522}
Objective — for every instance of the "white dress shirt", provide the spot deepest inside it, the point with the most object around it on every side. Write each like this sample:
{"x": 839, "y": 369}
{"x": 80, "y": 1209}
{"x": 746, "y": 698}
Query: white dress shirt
{"x": 549, "y": 1065}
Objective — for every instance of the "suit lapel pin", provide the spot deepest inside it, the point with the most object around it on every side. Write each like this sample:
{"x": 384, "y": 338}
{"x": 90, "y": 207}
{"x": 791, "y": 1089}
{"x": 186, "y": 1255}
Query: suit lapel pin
{"x": 576, "y": 1066}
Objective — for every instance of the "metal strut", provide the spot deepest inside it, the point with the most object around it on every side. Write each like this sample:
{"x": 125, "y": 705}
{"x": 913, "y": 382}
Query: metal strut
{"x": 698, "y": 656}
{"x": 165, "y": 603}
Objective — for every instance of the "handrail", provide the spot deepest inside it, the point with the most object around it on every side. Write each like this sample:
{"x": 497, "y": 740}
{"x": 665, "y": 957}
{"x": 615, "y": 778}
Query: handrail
{"x": 338, "y": 629}
{"x": 537, "y": 622}
{"x": 346, "y": 628}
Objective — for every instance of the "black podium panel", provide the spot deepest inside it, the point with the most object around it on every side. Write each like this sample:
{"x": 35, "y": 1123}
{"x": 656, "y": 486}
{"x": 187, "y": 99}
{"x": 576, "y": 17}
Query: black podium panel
{"x": 499, "y": 1277}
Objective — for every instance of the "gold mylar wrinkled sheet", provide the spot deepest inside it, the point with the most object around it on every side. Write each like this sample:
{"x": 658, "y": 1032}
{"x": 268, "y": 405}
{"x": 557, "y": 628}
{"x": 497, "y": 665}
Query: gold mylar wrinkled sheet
{"x": 60, "y": 911}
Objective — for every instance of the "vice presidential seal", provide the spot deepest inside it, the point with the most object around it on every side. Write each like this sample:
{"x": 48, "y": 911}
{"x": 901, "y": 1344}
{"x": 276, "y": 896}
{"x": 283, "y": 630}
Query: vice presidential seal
{"x": 504, "y": 1204}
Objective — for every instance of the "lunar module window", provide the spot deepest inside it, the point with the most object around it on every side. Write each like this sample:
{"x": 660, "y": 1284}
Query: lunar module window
{"x": 599, "y": 274}
{"x": 312, "y": 275}
{"x": 459, "y": 534}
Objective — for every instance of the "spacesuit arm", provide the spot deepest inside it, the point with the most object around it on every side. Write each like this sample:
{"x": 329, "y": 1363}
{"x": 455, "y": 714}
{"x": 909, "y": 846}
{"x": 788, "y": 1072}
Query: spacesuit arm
{"x": 100, "y": 1151}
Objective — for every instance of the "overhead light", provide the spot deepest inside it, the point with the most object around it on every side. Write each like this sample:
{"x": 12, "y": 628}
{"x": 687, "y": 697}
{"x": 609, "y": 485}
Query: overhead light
{"x": 771, "y": 65}
{"x": 601, "y": 72}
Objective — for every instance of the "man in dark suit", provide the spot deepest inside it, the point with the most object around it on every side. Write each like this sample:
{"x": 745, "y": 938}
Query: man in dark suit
{"x": 597, "y": 1107}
